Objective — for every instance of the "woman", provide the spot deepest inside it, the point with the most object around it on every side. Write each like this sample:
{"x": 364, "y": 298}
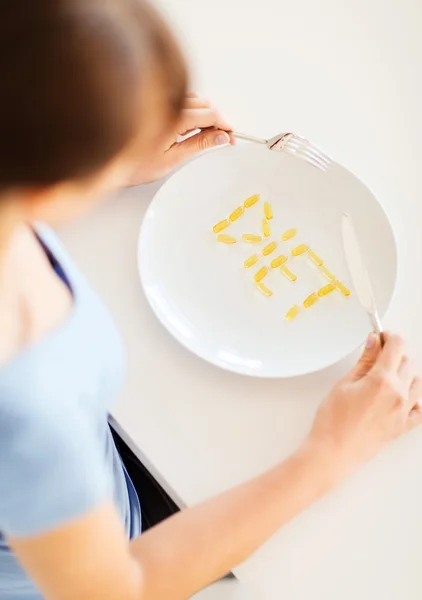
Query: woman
{"x": 91, "y": 89}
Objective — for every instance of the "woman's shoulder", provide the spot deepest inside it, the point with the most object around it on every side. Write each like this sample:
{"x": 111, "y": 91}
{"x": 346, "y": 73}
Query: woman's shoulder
{"x": 73, "y": 352}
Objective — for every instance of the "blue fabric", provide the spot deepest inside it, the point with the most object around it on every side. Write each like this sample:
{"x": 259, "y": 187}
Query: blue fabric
{"x": 58, "y": 459}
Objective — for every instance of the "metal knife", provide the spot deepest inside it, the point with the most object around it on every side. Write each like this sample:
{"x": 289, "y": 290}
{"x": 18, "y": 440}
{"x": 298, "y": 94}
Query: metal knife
{"x": 359, "y": 274}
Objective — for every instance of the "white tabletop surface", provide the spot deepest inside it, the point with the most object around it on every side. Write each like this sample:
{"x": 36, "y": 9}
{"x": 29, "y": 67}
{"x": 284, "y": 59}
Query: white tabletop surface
{"x": 347, "y": 75}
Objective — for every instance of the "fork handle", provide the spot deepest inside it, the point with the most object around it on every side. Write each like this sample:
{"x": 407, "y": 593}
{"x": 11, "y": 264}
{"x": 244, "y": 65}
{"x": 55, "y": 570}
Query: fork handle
{"x": 248, "y": 138}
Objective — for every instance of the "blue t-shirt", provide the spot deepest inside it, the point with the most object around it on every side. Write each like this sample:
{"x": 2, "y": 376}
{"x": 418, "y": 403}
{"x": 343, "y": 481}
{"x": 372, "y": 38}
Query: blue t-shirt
{"x": 57, "y": 455}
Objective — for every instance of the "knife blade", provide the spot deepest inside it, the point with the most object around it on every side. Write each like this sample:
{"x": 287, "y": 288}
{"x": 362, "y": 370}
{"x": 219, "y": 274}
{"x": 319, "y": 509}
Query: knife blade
{"x": 359, "y": 274}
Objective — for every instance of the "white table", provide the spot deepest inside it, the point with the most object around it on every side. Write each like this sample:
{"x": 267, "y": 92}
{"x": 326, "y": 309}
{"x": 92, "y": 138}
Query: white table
{"x": 348, "y": 76}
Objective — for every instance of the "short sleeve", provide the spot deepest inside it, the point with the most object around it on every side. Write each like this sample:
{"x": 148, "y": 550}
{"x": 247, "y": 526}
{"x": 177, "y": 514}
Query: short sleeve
{"x": 52, "y": 468}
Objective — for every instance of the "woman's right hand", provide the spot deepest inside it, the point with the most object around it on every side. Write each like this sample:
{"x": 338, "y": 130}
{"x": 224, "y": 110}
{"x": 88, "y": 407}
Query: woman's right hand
{"x": 375, "y": 403}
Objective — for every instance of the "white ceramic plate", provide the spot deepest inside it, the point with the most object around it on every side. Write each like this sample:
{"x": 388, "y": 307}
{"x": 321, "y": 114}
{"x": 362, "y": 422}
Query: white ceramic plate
{"x": 200, "y": 291}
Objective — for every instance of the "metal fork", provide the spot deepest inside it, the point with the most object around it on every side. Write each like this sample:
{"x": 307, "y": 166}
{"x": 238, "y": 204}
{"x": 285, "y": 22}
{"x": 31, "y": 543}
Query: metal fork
{"x": 292, "y": 144}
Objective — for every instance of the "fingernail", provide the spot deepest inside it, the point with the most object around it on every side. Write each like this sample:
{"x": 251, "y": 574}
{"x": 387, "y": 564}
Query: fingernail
{"x": 371, "y": 340}
{"x": 222, "y": 138}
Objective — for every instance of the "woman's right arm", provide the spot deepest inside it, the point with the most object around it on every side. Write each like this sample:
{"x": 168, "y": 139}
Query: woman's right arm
{"x": 376, "y": 402}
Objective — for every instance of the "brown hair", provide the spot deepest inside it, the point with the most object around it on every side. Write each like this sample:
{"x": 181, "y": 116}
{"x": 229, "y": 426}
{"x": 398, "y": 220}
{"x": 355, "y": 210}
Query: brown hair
{"x": 74, "y": 74}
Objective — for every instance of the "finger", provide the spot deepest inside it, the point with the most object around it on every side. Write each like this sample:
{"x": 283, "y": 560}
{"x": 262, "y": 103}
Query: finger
{"x": 415, "y": 418}
{"x": 415, "y": 393}
{"x": 191, "y": 95}
{"x": 197, "y": 143}
{"x": 181, "y": 135}
{"x": 407, "y": 372}
{"x": 196, "y": 103}
{"x": 201, "y": 118}
{"x": 196, "y": 130}
{"x": 368, "y": 358}
{"x": 392, "y": 353}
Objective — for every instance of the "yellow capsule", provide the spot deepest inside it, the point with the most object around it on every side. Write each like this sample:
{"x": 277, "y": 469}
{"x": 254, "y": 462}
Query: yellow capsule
{"x": 300, "y": 250}
{"x": 342, "y": 288}
{"x": 226, "y": 239}
{"x": 268, "y": 211}
{"x": 251, "y": 239}
{"x": 292, "y": 313}
{"x": 327, "y": 274}
{"x": 287, "y": 273}
{"x": 251, "y": 261}
{"x": 310, "y": 300}
{"x": 327, "y": 289}
{"x": 261, "y": 274}
{"x": 251, "y": 201}
{"x": 236, "y": 214}
{"x": 288, "y": 235}
{"x": 270, "y": 248}
{"x": 263, "y": 289}
{"x": 221, "y": 225}
{"x": 315, "y": 258}
{"x": 277, "y": 262}
{"x": 266, "y": 229}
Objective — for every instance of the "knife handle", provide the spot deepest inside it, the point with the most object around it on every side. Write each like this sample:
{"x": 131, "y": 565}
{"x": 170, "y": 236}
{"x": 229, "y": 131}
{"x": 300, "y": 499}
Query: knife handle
{"x": 378, "y": 328}
{"x": 382, "y": 338}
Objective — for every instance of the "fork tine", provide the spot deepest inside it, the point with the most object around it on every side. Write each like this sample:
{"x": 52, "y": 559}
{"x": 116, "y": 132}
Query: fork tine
{"x": 309, "y": 153}
{"x": 308, "y": 157}
{"x": 323, "y": 166}
{"x": 313, "y": 162}
{"x": 321, "y": 157}
{"x": 317, "y": 158}
{"x": 298, "y": 142}
{"x": 302, "y": 141}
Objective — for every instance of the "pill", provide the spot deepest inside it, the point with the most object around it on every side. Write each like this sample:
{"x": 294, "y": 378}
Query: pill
{"x": 288, "y": 235}
{"x": 251, "y": 239}
{"x": 300, "y": 250}
{"x": 342, "y": 288}
{"x": 260, "y": 274}
{"x": 236, "y": 214}
{"x": 221, "y": 225}
{"x": 268, "y": 211}
{"x": 327, "y": 289}
{"x": 315, "y": 258}
{"x": 266, "y": 229}
{"x": 287, "y": 273}
{"x": 269, "y": 248}
{"x": 327, "y": 274}
{"x": 251, "y": 201}
{"x": 263, "y": 289}
{"x": 251, "y": 261}
{"x": 277, "y": 262}
{"x": 292, "y": 313}
{"x": 310, "y": 300}
{"x": 226, "y": 239}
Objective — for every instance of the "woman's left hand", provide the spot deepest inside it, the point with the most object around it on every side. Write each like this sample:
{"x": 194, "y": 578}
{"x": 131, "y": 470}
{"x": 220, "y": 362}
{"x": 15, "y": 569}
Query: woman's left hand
{"x": 197, "y": 114}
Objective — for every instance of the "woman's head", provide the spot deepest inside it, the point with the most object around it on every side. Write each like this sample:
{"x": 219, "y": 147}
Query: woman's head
{"x": 82, "y": 81}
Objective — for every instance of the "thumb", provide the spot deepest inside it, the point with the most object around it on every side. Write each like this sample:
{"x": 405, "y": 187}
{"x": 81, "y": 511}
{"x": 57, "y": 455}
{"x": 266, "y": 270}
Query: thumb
{"x": 415, "y": 418}
{"x": 198, "y": 143}
{"x": 368, "y": 358}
